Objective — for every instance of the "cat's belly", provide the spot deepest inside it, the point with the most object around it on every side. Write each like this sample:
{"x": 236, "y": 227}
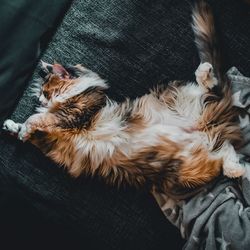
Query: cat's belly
{"x": 188, "y": 106}
{"x": 185, "y": 111}
{"x": 183, "y": 121}
{"x": 186, "y": 137}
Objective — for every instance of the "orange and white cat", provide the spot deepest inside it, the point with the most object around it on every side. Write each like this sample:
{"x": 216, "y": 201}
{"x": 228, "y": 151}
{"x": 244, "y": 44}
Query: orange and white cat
{"x": 179, "y": 135}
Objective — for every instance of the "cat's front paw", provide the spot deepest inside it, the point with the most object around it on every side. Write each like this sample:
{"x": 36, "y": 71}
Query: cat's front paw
{"x": 205, "y": 76}
{"x": 24, "y": 133}
{"x": 11, "y": 126}
{"x": 233, "y": 170}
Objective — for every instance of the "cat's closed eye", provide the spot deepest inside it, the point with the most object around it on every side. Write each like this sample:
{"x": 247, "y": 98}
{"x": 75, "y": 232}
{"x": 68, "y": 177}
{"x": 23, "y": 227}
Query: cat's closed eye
{"x": 46, "y": 94}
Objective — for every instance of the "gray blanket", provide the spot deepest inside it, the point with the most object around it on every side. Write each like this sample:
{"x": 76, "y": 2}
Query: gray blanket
{"x": 218, "y": 217}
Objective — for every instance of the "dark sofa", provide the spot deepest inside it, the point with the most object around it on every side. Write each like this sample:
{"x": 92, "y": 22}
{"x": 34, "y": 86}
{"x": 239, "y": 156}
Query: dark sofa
{"x": 134, "y": 45}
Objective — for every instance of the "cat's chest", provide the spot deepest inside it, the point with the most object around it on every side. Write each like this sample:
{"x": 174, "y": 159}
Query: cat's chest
{"x": 188, "y": 102}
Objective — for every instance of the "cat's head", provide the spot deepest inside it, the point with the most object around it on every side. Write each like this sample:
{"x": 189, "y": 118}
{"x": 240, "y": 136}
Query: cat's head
{"x": 61, "y": 82}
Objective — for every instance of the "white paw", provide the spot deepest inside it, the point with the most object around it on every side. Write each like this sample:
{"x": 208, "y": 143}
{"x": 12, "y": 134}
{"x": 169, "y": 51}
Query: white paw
{"x": 204, "y": 75}
{"x": 11, "y": 126}
{"x": 24, "y": 133}
{"x": 233, "y": 170}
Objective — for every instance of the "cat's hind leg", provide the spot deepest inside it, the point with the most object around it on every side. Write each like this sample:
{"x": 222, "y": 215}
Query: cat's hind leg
{"x": 231, "y": 161}
{"x": 205, "y": 76}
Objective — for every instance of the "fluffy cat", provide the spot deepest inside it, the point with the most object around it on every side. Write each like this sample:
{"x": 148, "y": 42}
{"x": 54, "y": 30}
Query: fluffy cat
{"x": 180, "y": 135}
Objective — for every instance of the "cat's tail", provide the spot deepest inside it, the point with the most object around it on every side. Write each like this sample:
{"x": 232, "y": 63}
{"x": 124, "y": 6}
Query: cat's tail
{"x": 205, "y": 36}
{"x": 219, "y": 116}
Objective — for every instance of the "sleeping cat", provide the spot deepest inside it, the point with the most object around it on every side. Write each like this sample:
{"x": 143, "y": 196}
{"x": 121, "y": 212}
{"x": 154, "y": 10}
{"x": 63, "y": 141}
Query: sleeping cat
{"x": 179, "y": 135}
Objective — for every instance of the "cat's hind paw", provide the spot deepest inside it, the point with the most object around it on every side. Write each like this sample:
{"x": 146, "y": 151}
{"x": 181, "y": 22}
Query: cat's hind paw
{"x": 205, "y": 76}
{"x": 233, "y": 170}
{"x": 11, "y": 127}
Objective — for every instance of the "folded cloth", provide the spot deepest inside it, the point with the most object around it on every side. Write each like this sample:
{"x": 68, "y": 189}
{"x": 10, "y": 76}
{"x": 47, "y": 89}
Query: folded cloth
{"x": 241, "y": 97}
{"x": 218, "y": 217}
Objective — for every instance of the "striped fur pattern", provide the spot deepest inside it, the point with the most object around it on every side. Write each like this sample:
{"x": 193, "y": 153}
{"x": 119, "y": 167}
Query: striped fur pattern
{"x": 180, "y": 135}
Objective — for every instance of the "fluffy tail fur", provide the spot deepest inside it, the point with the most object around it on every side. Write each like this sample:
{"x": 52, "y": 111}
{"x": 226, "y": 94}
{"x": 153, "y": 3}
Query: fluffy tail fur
{"x": 218, "y": 116}
{"x": 205, "y": 36}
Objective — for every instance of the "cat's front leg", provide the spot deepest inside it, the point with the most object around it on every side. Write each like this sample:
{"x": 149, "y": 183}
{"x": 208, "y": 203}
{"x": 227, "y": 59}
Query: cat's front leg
{"x": 37, "y": 122}
{"x": 22, "y": 130}
{"x": 205, "y": 76}
{"x": 11, "y": 126}
{"x": 45, "y": 122}
{"x": 28, "y": 128}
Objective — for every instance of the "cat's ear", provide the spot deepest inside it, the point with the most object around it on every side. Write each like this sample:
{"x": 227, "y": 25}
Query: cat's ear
{"x": 59, "y": 70}
{"x": 56, "y": 69}
{"x": 46, "y": 67}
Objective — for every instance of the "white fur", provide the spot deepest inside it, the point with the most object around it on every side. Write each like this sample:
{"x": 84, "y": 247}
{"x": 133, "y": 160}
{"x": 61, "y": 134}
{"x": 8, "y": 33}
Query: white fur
{"x": 188, "y": 103}
{"x": 231, "y": 162}
{"x": 205, "y": 76}
{"x": 187, "y": 108}
{"x": 45, "y": 65}
{"x": 42, "y": 109}
{"x": 105, "y": 138}
{"x": 82, "y": 84}
{"x": 24, "y": 134}
{"x": 11, "y": 126}
{"x": 16, "y": 128}
{"x": 89, "y": 79}
{"x": 43, "y": 100}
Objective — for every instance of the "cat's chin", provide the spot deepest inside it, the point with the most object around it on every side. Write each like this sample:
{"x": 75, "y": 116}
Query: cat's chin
{"x": 43, "y": 104}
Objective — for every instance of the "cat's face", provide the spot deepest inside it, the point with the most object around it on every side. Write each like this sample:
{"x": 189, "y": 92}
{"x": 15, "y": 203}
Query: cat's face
{"x": 58, "y": 80}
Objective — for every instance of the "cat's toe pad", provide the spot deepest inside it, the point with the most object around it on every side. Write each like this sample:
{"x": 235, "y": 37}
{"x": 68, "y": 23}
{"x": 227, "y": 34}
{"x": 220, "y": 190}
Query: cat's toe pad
{"x": 11, "y": 126}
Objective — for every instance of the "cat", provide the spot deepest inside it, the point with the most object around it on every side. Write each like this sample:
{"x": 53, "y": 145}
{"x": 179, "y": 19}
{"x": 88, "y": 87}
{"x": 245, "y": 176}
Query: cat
{"x": 177, "y": 136}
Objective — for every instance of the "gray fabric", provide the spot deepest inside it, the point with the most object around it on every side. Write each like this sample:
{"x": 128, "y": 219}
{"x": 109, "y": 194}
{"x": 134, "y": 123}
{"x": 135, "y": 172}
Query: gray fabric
{"x": 241, "y": 96}
{"x": 219, "y": 216}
